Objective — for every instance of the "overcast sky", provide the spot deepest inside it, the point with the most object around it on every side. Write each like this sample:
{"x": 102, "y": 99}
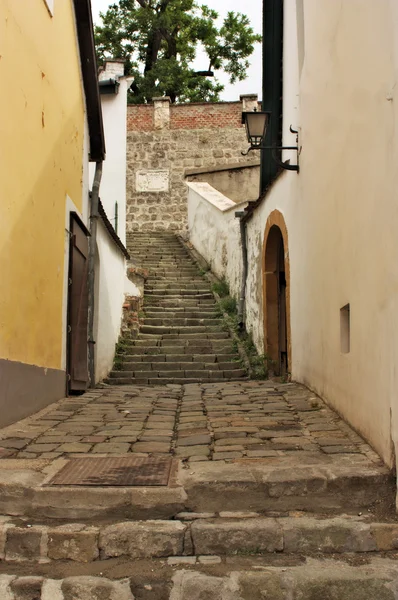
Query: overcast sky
{"x": 253, "y": 9}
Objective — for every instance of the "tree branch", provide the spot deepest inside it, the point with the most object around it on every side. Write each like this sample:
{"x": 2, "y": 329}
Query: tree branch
{"x": 143, "y": 3}
{"x": 204, "y": 73}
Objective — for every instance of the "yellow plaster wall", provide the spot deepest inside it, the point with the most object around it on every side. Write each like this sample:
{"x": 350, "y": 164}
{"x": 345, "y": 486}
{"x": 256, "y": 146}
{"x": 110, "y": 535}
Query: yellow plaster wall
{"x": 41, "y": 151}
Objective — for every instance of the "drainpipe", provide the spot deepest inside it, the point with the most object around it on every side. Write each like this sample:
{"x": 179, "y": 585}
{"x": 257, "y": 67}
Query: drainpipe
{"x": 91, "y": 270}
{"x": 242, "y": 298}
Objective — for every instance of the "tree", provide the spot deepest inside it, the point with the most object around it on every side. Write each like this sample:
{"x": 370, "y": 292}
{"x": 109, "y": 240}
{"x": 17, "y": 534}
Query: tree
{"x": 159, "y": 39}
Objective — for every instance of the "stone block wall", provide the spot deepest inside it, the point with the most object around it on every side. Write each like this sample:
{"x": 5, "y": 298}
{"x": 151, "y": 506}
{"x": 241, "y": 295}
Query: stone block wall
{"x": 163, "y": 141}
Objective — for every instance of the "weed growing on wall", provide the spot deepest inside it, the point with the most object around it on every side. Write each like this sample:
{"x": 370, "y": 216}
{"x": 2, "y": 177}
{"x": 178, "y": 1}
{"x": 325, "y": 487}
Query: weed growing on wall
{"x": 227, "y": 308}
{"x": 221, "y": 288}
{"x": 226, "y": 305}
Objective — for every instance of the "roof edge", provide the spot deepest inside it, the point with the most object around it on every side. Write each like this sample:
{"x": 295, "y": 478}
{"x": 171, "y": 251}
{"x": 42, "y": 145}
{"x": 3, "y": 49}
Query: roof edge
{"x": 88, "y": 61}
{"x": 111, "y": 230}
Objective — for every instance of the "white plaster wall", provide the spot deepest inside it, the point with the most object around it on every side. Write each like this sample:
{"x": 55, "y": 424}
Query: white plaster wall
{"x": 391, "y": 329}
{"x": 110, "y": 283}
{"x": 113, "y": 182}
{"x": 214, "y": 232}
{"x": 341, "y": 211}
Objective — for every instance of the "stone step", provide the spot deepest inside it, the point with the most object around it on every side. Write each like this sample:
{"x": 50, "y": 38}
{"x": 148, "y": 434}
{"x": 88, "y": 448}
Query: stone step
{"x": 298, "y": 482}
{"x": 175, "y": 321}
{"x": 195, "y": 346}
{"x": 176, "y": 338}
{"x": 187, "y": 312}
{"x": 165, "y": 261}
{"x": 188, "y": 329}
{"x": 160, "y": 286}
{"x": 180, "y": 291}
{"x": 182, "y": 272}
{"x": 178, "y": 373}
{"x": 219, "y": 379}
{"x": 179, "y": 327}
{"x": 179, "y": 301}
{"x": 188, "y": 357}
{"x": 196, "y": 364}
{"x": 223, "y": 536}
{"x": 183, "y": 289}
{"x": 170, "y": 262}
{"x": 173, "y": 279}
{"x": 206, "y": 577}
{"x": 169, "y": 250}
{"x": 165, "y": 353}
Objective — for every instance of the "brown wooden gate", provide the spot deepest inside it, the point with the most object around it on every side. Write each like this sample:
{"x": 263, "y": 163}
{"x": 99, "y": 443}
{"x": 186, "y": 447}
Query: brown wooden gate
{"x": 78, "y": 307}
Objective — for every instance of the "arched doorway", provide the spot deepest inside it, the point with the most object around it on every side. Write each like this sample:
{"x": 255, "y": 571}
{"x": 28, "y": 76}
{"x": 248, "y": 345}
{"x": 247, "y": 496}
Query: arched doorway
{"x": 276, "y": 279}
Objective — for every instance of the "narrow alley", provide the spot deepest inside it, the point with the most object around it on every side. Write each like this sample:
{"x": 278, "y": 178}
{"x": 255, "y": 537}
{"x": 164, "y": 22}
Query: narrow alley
{"x": 199, "y": 300}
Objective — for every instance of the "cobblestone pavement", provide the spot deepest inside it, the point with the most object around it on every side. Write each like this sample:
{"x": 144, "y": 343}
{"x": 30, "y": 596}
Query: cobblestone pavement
{"x": 196, "y": 422}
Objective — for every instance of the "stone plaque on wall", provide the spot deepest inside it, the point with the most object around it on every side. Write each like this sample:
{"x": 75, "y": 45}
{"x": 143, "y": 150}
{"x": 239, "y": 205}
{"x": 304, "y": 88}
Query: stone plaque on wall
{"x": 154, "y": 180}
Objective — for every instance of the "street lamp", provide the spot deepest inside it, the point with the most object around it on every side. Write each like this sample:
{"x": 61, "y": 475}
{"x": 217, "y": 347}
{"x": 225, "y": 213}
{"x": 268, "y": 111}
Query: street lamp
{"x": 256, "y": 123}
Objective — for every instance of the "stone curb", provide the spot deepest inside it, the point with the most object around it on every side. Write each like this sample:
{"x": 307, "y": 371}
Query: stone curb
{"x": 219, "y": 536}
{"x": 309, "y": 582}
{"x": 71, "y": 588}
{"x": 212, "y": 486}
{"x": 378, "y": 579}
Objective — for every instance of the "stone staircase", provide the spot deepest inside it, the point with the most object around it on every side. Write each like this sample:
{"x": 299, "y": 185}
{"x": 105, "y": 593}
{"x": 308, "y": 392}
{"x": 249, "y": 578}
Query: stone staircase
{"x": 148, "y": 543}
{"x": 182, "y": 339}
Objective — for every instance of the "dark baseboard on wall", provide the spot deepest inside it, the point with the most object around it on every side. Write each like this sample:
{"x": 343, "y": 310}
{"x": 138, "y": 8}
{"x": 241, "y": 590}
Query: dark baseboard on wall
{"x": 26, "y": 389}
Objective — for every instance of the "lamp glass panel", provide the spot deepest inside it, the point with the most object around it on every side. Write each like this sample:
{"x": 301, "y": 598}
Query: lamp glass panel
{"x": 256, "y": 124}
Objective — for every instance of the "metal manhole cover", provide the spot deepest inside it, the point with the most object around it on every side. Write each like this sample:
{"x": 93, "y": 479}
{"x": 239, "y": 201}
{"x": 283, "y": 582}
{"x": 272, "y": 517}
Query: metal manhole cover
{"x": 124, "y": 472}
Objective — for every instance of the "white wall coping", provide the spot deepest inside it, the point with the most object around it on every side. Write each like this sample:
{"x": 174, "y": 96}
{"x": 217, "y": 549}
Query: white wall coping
{"x": 213, "y": 196}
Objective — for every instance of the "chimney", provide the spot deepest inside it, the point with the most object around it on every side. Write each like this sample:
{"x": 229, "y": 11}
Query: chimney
{"x": 249, "y": 102}
{"x": 113, "y": 70}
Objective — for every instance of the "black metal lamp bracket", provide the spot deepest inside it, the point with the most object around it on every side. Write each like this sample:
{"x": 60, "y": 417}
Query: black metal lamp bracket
{"x": 283, "y": 164}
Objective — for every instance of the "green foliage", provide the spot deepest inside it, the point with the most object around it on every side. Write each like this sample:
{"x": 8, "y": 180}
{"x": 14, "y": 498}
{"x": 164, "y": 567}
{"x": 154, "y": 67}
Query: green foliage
{"x": 204, "y": 270}
{"x": 221, "y": 288}
{"x": 121, "y": 347}
{"x": 260, "y": 363}
{"x": 159, "y": 39}
{"x": 232, "y": 323}
{"x": 117, "y": 363}
{"x": 226, "y": 305}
